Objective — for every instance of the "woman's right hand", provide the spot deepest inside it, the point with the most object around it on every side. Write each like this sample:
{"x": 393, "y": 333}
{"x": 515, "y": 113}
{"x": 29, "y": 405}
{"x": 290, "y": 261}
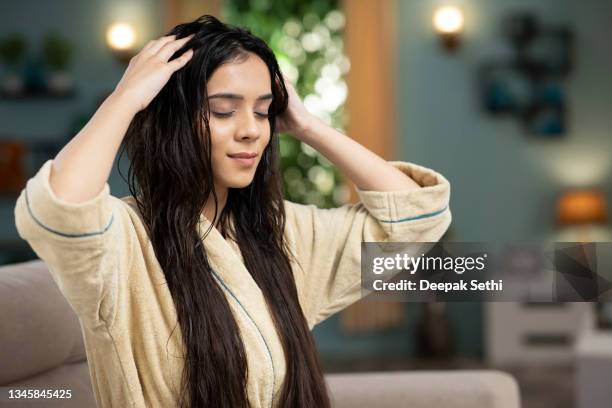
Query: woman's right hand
{"x": 149, "y": 70}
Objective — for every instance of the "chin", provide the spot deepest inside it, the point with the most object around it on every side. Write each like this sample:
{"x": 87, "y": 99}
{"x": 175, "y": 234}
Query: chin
{"x": 239, "y": 183}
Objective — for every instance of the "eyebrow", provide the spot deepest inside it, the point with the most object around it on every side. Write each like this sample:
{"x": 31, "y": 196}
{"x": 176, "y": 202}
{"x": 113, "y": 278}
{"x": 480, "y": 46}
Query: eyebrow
{"x": 227, "y": 95}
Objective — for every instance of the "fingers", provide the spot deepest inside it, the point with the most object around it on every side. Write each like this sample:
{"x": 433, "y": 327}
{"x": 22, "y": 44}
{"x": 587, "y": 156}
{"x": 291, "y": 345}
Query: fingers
{"x": 163, "y": 48}
{"x": 154, "y": 45}
{"x": 179, "y": 62}
{"x": 169, "y": 48}
{"x": 288, "y": 84}
{"x": 284, "y": 77}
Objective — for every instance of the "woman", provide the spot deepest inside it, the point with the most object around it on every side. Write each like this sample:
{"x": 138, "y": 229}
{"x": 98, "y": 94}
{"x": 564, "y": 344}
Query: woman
{"x": 201, "y": 288}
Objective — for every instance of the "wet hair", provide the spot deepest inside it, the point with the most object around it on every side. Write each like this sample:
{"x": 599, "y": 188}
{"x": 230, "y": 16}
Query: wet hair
{"x": 169, "y": 147}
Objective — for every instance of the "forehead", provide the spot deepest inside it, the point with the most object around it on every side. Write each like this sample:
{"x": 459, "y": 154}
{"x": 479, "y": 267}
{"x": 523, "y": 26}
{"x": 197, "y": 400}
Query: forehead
{"x": 248, "y": 77}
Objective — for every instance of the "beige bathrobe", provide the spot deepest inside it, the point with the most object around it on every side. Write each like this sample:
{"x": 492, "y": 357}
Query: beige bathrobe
{"x": 104, "y": 264}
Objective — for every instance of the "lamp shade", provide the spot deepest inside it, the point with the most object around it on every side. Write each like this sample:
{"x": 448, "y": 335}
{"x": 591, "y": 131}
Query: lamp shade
{"x": 120, "y": 36}
{"x": 121, "y": 40}
{"x": 448, "y": 20}
{"x": 581, "y": 207}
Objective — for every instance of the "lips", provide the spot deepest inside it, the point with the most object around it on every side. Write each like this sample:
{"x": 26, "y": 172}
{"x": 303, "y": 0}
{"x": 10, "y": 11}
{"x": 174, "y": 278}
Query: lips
{"x": 243, "y": 155}
{"x": 244, "y": 159}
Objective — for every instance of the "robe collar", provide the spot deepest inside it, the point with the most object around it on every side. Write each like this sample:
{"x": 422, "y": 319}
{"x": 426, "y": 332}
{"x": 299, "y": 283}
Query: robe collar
{"x": 236, "y": 281}
{"x": 227, "y": 262}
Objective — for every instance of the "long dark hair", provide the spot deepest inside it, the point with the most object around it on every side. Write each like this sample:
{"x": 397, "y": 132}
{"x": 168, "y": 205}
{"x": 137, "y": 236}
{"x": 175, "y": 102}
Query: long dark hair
{"x": 170, "y": 158}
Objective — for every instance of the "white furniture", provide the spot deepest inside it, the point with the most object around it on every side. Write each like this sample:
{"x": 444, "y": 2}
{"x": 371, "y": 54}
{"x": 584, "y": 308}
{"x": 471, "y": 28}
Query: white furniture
{"x": 535, "y": 333}
{"x": 594, "y": 370}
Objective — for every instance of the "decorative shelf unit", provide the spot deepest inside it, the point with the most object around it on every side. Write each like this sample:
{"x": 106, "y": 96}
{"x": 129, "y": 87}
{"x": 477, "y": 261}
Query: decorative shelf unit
{"x": 535, "y": 332}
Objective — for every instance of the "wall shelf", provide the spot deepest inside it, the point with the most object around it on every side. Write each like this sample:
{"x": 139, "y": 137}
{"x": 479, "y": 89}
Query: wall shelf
{"x": 37, "y": 94}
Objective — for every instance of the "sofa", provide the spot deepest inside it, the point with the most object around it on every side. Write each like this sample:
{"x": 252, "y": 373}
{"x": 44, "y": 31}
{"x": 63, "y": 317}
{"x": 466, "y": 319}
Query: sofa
{"x": 41, "y": 346}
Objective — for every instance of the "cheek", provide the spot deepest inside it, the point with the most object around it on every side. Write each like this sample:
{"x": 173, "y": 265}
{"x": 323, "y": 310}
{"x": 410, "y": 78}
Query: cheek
{"x": 265, "y": 132}
{"x": 219, "y": 138}
{"x": 220, "y": 130}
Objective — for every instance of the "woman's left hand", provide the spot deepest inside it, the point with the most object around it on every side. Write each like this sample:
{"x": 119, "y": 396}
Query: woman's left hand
{"x": 296, "y": 120}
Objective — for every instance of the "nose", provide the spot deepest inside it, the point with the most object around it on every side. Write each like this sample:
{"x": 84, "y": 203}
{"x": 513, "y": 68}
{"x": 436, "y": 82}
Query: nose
{"x": 247, "y": 127}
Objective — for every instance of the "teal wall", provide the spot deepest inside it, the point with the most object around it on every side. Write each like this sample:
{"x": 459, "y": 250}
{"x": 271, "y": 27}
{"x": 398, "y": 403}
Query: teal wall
{"x": 503, "y": 183}
{"x": 95, "y": 71}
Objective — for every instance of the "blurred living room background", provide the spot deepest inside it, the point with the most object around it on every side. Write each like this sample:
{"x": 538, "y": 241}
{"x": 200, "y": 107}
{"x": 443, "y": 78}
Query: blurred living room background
{"x": 509, "y": 99}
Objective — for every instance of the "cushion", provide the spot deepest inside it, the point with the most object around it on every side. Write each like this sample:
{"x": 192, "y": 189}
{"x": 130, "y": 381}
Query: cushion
{"x": 39, "y": 329}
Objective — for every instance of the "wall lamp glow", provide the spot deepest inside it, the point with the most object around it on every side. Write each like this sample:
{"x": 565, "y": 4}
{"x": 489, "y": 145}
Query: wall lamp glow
{"x": 448, "y": 21}
{"x": 581, "y": 213}
{"x": 581, "y": 206}
{"x": 121, "y": 39}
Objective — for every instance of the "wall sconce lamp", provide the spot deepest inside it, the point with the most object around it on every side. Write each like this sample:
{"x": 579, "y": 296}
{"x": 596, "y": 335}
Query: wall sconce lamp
{"x": 582, "y": 210}
{"x": 581, "y": 207}
{"x": 448, "y": 22}
{"x": 121, "y": 39}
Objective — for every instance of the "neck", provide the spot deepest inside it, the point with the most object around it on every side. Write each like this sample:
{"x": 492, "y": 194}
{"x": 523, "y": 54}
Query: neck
{"x": 209, "y": 208}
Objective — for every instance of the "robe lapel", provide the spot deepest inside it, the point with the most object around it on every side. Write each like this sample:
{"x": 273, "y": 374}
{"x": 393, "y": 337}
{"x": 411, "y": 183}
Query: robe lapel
{"x": 228, "y": 264}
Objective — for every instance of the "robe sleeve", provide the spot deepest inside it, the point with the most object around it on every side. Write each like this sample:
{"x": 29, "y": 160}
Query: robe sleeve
{"x": 86, "y": 245}
{"x": 327, "y": 242}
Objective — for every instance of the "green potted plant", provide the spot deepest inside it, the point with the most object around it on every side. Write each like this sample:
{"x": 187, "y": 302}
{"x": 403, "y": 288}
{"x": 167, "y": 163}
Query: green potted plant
{"x": 307, "y": 38}
{"x": 57, "y": 55}
{"x": 12, "y": 53}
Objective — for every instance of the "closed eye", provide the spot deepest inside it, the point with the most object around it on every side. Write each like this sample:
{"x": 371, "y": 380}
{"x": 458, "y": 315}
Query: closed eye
{"x": 228, "y": 114}
{"x": 223, "y": 114}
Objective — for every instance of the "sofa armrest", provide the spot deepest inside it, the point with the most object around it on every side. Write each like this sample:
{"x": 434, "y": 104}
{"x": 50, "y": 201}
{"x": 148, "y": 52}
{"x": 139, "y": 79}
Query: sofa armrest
{"x": 424, "y": 389}
{"x": 74, "y": 377}
{"x": 38, "y": 329}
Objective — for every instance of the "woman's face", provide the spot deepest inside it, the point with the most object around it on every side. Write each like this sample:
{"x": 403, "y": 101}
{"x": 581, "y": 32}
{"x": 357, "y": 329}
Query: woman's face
{"x": 239, "y": 95}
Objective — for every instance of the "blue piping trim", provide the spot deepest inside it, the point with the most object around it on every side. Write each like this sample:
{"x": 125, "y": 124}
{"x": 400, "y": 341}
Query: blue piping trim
{"x": 64, "y": 234}
{"x": 258, "y": 330}
{"x": 418, "y": 217}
